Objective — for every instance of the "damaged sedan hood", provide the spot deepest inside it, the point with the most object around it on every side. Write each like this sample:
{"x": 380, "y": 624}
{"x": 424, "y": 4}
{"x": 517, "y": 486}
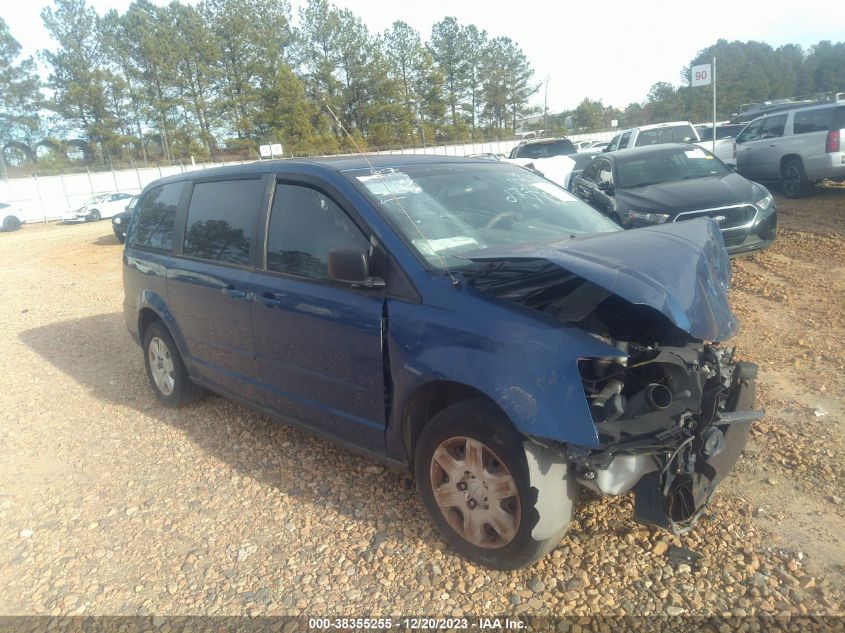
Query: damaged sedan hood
{"x": 680, "y": 269}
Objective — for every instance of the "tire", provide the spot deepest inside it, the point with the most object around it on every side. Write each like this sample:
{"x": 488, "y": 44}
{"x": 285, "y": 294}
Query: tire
{"x": 11, "y": 223}
{"x": 168, "y": 378}
{"x": 94, "y": 216}
{"x": 793, "y": 180}
{"x": 481, "y": 428}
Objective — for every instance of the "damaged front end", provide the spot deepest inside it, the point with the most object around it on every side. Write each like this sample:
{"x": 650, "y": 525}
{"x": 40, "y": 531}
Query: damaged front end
{"x": 671, "y": 407}
{"x": 672, "y": 421}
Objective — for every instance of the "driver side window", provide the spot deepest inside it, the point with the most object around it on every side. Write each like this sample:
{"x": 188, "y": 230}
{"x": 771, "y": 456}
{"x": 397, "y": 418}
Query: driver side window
{"x": 751, "y": 132}
{"x": 304, "y": 226}
{"x": 605, "y": 172}
{"x": 591, "y": 172}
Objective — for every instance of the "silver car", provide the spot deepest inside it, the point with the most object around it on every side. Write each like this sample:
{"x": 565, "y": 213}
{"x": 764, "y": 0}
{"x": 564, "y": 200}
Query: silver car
{"x": 797, "y": 148}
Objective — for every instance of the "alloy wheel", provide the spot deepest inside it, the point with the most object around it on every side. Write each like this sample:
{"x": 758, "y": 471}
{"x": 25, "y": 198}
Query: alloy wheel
{"x": 476, "y": 492}
{"x": 161, "y": 366}
{"x": 791, "y": 180}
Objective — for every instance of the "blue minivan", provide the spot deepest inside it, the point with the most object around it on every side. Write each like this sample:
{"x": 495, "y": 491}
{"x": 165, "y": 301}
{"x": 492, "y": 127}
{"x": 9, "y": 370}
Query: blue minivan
{"x": 467, "y": 321}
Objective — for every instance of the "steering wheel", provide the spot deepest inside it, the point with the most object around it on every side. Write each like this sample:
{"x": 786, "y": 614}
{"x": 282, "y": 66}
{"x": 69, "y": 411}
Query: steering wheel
{"x": 502, "y": 215}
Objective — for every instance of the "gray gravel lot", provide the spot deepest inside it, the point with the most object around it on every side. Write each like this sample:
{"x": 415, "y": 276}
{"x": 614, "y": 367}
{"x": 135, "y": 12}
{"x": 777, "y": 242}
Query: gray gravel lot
{"x": 112, "y": 504}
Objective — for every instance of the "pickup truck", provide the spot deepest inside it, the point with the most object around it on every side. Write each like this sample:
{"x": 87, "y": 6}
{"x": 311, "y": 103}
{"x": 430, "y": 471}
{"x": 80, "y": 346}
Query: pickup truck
{"x": 725, "y": 135}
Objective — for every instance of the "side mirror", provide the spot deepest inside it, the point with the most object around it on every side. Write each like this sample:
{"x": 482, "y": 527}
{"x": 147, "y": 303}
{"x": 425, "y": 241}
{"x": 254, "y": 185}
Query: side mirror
{"x": 731, "y": 166}
{"x": 349, "y": 265}
{"x": 605, "y": 186}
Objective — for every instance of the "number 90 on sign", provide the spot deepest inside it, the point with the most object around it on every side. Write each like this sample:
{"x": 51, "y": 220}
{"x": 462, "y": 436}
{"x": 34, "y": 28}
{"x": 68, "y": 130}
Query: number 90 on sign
{"x": 701, "y": 75}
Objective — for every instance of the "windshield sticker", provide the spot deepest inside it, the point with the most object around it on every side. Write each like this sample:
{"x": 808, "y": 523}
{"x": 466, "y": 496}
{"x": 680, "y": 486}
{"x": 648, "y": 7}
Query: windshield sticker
{"x": 390, "y": 183}
{"x": 695, "y": 153}
{"x": 430, "y": 247}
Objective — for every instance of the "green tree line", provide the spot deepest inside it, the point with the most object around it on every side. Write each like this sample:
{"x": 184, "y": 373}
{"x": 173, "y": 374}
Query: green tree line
{"x": 746, "y": 72}
{"x": 167, "y": 82}
{"x": 164, "y": 83}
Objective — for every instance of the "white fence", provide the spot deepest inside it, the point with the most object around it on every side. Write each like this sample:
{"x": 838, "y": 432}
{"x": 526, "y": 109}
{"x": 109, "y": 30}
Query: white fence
{"x": 49, "y": 197}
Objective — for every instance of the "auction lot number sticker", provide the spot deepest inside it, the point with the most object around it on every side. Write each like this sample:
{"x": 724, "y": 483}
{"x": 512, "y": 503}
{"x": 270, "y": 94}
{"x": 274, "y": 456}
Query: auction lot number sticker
{"x": 426, "y": 624}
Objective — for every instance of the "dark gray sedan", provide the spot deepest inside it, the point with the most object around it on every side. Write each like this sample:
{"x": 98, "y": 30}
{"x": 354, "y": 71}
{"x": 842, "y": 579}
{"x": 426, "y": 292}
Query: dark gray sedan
{"x": 658, "y": 184}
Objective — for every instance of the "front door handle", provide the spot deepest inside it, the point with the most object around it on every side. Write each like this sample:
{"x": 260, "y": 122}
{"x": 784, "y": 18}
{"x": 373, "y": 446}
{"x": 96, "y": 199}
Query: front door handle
{"x": 233, "y": 292}
{"x": 270, "y": 299}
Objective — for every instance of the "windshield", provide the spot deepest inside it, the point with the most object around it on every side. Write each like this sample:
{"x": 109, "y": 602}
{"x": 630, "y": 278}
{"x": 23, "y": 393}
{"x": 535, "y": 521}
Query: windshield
{"x": 676, "y": 164}
{"x": 447, "y": 209}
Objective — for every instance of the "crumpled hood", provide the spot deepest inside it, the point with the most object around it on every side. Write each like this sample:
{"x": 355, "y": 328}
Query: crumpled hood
{"x": 680, "y": 269}
{"x": 688, "y": 195}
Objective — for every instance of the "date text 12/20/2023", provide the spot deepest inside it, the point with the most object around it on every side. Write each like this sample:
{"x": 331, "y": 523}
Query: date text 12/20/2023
{"x": 416, "y": 623}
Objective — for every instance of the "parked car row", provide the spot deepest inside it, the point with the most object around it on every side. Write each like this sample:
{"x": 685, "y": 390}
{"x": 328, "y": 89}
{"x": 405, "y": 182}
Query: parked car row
{"x": 107, "y": 205}
{"x": 794, "y": 148}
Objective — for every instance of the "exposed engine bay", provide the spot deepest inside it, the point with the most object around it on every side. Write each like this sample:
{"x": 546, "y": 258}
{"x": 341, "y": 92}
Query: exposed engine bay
{"x": 672, "y": 412}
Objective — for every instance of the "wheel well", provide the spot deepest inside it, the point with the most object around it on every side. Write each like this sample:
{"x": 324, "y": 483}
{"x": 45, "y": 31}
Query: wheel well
{"x": 145, "y": 320}
{"x": 788, "y": 157}
{"x": 428, "y": 401}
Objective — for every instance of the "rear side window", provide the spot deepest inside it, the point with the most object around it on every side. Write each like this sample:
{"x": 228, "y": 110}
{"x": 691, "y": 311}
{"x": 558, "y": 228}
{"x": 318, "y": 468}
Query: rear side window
{"x": 221, "y": 220}
{"x": 812, "y": 121}
{"x": 154, "y": 224}
{"x": 655, "y": 137}
{"x": 839, "y": 118}
{"x": 683, "y": 134}
{"x": 544, "y": 150}
{"x": 658, "y": 136}
{"x": 304, "y": 226}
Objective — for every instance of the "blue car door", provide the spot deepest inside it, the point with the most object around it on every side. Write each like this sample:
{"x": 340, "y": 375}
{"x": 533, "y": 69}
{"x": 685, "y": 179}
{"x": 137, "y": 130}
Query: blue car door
{"x": 208, "y": 285}
{"x": 318, "y": 342}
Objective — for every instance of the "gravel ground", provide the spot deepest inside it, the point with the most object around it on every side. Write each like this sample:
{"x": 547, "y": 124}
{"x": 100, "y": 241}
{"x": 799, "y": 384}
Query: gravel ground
{"x": 112, "y": 504}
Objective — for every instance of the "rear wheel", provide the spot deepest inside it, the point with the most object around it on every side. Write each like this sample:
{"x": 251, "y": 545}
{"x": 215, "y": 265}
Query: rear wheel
{"x": 793, "y": 179}
{"x": 11, "y": 223}
{"x": 165, "y": 369}
{"x": 473, "y": 477}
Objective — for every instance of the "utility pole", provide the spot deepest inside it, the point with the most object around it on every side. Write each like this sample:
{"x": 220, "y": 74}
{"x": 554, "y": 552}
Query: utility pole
{"x": 714, "y": 105}
{"x": 545, "y": 105}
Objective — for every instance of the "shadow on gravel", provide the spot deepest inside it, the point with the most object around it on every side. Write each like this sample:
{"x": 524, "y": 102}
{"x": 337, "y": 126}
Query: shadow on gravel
{"x": 99, "y": 354}
{"x": 106, "y": 240}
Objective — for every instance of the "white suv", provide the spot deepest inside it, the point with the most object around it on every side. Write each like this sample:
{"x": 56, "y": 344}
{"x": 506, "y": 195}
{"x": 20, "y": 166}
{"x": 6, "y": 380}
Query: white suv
{"x": 655, "y": 134}
{"x": 797, "y": 148}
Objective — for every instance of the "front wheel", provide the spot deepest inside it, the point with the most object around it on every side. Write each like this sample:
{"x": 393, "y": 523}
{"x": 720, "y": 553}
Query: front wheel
{"x": 472, "y": 474}
{"x": 94, "y": 216}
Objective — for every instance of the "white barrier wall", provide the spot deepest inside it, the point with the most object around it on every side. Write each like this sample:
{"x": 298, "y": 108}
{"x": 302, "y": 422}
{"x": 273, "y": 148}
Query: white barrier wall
{"x": 50, "y": 196}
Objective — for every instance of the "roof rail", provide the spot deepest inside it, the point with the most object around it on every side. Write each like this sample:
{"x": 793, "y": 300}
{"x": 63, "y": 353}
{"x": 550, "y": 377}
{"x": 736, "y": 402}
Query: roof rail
{"x": 750, "y": 111}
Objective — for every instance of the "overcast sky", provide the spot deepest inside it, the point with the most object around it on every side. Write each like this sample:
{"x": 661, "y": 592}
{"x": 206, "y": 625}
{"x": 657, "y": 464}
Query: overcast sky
{"x": 608, "y": 50}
